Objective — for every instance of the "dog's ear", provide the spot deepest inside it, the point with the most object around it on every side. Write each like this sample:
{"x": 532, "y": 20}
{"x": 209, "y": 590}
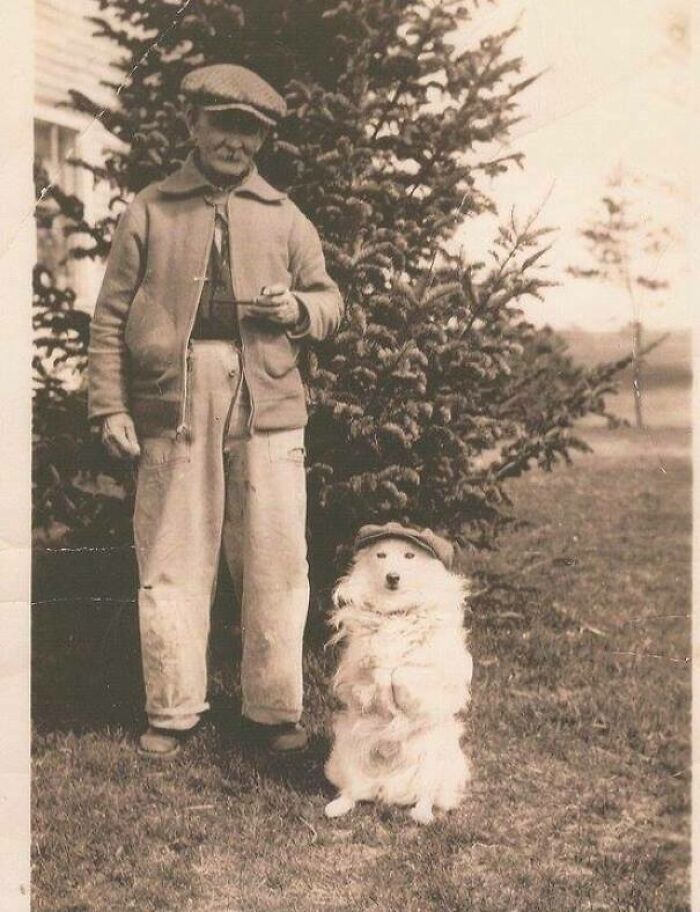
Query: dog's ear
{"x": 337, "y": 597}
{"x": 459, "y": 555}
{"x": 467, "y": 610}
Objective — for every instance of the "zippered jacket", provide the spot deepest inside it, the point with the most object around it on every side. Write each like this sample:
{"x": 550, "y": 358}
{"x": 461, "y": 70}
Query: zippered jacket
{"x": 140, "y": 332}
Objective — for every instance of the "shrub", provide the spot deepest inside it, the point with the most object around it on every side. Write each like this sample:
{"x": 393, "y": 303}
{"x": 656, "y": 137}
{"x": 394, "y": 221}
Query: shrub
{"x": 437, "y": 390}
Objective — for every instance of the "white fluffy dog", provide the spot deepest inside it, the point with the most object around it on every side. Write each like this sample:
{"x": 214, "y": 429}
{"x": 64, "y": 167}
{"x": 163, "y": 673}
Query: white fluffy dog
{"x": 403, "y": 676}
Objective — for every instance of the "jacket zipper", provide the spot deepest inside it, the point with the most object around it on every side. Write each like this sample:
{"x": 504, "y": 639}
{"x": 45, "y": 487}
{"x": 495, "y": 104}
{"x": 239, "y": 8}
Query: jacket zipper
{"x": 234, "y": 285}
{"x": 250, "y": 395}
{"x": 182, "y": 428}
{"x": 234, "y": 398}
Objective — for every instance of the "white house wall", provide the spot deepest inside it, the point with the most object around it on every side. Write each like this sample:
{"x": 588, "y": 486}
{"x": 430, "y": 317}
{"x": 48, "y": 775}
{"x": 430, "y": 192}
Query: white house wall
{"x": 66, "y": 53}
{"x": 68, "y": 56}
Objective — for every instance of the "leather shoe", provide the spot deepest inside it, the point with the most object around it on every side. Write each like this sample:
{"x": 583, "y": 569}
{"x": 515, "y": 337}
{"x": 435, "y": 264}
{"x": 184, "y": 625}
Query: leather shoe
{"x": 285, "y": 737}
{"x": 162, "y": 743}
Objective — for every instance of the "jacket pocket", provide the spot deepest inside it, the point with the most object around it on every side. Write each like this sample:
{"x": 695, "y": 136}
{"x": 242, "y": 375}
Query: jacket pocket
{"x": 279, "y": 357}
{"x": 134, "y": 317}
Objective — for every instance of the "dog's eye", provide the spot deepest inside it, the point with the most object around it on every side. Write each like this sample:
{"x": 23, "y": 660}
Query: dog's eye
{"x": 381, "y": 555}
{"x": 409, "y": 555}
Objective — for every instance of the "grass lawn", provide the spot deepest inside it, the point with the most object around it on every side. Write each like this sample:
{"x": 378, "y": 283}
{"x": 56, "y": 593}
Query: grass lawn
{"x": 579, "y": 737}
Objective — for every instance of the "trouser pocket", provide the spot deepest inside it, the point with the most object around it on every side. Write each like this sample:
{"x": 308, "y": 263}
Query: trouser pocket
{"x": 161, "y": 452}
{"x": 287, "y": 446}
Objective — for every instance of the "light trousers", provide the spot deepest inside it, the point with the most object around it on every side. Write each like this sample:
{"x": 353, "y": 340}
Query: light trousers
{"x": 222, "y": 487}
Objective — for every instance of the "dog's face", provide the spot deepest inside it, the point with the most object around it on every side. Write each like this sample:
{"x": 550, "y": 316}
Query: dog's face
{"x": 392, "y": 572}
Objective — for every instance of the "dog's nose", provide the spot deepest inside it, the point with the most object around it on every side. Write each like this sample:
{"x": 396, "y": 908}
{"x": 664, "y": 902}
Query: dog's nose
{"x": 392, "y": 579}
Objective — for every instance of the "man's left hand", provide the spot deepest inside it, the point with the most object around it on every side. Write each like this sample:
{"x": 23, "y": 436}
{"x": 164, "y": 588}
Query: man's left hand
{"x": 277, "y": 304}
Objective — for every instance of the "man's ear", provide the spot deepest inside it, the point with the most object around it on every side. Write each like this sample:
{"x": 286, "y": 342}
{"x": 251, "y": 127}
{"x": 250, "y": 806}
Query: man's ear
{"x": 192, "y": 113}
{"x": 264, "y": 134}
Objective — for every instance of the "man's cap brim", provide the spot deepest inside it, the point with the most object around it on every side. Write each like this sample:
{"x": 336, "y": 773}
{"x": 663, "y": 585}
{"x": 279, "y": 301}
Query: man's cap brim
{"x": 237, "y": 106}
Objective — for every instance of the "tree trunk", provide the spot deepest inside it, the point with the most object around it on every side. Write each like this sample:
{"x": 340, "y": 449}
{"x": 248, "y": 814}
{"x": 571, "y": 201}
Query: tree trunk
{"x": 637, "y": 372}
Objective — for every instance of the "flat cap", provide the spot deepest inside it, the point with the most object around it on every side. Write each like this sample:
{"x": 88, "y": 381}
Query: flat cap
{"x": 426, "y": 539}
{"x": 225, "y": 86}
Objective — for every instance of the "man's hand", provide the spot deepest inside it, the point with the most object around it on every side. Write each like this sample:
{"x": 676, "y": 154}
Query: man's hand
{"x": 119, "y": 436}
{"x": 277, "y": 304}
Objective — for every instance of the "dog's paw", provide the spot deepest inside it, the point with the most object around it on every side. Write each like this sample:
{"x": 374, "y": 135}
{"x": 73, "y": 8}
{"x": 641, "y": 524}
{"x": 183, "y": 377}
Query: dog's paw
{"x": 339, "y": 806}
{"x": 405, "y": 700}
{"x": 422, "y": 813}
{"x": 361, "y": 697}
{"x": 404, "y": 692}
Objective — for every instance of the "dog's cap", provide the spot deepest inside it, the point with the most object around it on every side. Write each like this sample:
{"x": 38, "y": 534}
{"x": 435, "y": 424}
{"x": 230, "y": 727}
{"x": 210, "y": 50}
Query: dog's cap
{"x": 227, "y": 86}
{"x": 426, "y": 539}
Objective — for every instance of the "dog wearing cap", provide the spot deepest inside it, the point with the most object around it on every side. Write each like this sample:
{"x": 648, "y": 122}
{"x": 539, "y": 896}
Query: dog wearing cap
{"x": 403, "y": 677}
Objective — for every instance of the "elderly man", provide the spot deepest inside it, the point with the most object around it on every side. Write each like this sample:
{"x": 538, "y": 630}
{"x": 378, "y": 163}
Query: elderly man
{"x": 214, "y": 283}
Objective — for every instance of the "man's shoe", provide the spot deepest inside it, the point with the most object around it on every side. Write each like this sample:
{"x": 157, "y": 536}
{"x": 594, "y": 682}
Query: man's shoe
{"x": 283, "y": 738}
{"x": 162, "y": 743}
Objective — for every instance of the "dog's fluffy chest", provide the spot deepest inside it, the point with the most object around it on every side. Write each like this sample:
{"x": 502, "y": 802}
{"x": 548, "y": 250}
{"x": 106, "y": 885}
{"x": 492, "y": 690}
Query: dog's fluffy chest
{"x": 395, "y": 641}
{"x": 399, "y": 639}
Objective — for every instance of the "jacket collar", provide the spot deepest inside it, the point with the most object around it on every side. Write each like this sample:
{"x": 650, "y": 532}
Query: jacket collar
{"x": 188, "y": 179}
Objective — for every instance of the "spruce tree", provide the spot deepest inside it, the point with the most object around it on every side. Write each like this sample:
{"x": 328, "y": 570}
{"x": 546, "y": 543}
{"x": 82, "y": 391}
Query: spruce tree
{"x": 437, "y": 390}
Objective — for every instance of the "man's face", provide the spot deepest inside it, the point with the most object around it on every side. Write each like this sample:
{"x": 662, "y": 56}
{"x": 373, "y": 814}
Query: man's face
{"x": 227, "y": 140}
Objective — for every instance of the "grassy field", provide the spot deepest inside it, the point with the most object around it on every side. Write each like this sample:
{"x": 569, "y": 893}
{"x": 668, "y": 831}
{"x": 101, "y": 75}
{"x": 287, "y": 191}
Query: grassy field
{"x": 579, "y": 737}
{"x": 665, "y": 379}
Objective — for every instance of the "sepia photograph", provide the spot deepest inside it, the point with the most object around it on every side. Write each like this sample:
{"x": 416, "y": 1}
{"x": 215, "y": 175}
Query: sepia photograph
{"x": 361, "y": 459}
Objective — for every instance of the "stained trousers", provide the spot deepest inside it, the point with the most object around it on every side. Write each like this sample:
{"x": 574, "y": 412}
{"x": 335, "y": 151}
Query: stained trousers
{"x": 223, "y": 487}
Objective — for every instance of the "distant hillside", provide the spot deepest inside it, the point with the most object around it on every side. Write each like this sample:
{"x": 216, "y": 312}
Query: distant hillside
{"x": 670, "y": 363}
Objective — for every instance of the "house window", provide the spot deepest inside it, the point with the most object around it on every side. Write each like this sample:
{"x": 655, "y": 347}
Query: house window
{"x": 53, "y": 145}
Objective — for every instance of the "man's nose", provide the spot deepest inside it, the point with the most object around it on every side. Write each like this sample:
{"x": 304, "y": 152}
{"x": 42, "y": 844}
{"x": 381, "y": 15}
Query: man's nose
{"x": 393, "y": 578}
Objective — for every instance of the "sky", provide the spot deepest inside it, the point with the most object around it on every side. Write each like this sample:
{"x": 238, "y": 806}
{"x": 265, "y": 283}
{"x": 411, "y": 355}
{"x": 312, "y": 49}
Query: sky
{"x": 614, "y": 91}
